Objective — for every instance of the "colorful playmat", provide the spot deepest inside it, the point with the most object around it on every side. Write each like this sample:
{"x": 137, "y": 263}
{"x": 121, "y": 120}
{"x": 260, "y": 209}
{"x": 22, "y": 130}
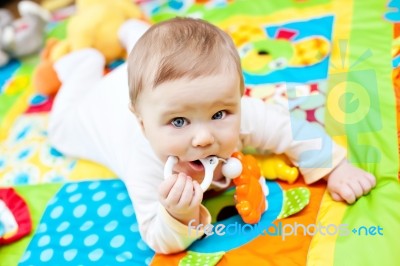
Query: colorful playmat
{"x": 333, "y": 63}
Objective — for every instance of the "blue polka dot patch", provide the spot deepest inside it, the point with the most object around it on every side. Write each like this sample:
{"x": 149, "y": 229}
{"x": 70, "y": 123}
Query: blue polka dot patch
{"x": 88, "y": 223}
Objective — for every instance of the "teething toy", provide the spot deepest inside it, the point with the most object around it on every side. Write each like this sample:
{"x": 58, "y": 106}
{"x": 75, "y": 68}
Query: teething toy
{"x": 231, "y": 168}
{"x": 245, "y": 173}
{"x": 250, "y": 198}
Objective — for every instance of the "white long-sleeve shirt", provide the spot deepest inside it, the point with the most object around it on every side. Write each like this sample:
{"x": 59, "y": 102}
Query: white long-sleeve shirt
{"x": 90, "y": 119}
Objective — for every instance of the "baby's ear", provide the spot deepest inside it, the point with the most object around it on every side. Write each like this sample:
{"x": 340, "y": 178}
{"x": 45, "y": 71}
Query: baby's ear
{"x": 137, "y": 115}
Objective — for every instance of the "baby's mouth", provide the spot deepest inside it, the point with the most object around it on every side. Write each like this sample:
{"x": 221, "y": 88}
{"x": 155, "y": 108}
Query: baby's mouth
{"x": 196, "y": 165}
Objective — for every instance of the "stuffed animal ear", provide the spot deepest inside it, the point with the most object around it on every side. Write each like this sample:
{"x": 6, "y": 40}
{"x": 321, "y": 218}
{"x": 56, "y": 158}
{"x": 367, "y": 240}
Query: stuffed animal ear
{"x": 26, "y": 8}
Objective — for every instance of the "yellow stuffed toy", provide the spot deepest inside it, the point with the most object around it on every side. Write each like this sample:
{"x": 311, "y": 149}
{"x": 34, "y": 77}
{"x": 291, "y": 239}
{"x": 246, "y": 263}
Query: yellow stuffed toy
{"x": 95, "y": 25}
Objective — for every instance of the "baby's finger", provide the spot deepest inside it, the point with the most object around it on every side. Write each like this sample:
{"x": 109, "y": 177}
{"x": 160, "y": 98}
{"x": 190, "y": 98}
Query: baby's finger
{"x": 198, "y": 194}
{"x": 357, "y": 188}
{"x": 347, "y": 194}
{"x": 176, "y": 191}
{"x": 371, "y": 178}
{"x": 166, "y": 186}
{"x": 336, "y": 197}
{"x": 187, "y": 193}
{"x": 366, "y": 185}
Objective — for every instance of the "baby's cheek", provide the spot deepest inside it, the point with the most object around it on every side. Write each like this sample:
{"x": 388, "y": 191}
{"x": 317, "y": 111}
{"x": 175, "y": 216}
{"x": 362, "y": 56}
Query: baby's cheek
{"x": 231, "y": 138}
{"x": 234, "y": 144}
{"x": 173, "y": 146}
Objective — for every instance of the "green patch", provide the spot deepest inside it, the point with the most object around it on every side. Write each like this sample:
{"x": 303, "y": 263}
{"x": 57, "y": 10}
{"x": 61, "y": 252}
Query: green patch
{"x": 294, "y": 200}
{"x": 204, "y": 259}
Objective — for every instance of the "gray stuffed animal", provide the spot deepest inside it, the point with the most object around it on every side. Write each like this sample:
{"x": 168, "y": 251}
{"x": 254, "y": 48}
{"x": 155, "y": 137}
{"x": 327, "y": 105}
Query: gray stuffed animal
{"x": 23, "y": 36}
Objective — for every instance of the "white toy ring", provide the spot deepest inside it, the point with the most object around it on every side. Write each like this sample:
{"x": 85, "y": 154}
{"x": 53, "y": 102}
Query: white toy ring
{"x": 231, "y": 169}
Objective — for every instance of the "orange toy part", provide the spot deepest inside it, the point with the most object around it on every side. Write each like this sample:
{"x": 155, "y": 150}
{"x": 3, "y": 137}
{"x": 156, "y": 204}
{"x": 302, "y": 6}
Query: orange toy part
{"x": 45, "y": 79}
{"x": 250, "y": 198}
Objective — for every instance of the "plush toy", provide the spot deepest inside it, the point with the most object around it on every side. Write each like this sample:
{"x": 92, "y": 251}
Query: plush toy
{"x": 23, "y": 36}
{"x": 95, "y": 25}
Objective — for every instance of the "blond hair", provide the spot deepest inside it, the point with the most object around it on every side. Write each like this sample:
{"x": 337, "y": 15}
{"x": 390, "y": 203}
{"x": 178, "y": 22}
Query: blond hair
{"x": 180, "y": 48}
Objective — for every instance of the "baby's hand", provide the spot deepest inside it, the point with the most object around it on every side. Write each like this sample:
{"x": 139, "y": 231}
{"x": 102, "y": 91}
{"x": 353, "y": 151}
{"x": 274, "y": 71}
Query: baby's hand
{"x": 181, "y": 197}
{"x": 347, "y": 182}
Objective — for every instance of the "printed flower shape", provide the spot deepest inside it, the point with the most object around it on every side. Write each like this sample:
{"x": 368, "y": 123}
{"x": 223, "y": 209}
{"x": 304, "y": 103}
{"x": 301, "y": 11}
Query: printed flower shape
{"x": 22, "y": 175}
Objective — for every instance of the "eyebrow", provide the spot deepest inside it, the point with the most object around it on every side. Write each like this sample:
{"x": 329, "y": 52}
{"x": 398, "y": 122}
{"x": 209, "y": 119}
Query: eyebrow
{"x": 183, "y": 108}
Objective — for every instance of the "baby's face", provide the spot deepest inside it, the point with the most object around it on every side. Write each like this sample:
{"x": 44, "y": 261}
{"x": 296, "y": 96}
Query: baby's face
{"x": 192, "y": 119}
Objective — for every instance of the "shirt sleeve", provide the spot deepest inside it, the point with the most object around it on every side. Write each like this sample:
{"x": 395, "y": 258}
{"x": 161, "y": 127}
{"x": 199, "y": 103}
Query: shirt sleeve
{"x": 162, "y": 232}
{"x": 271, "y": 128}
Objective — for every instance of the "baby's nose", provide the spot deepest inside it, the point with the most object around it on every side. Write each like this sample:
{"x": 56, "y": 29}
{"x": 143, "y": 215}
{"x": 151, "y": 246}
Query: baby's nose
{"x": 202, "y": 138}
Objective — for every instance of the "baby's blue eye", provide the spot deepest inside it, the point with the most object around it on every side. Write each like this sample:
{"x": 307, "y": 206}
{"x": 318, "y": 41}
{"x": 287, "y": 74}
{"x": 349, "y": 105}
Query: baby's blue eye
{"x": 179, "y": 122}
{"x": 219, "y": 115}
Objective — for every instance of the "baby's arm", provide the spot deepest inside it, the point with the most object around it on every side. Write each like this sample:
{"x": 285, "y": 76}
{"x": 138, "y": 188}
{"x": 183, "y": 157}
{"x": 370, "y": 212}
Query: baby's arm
{"x": 348, "y": 183}
{"x": 270, "y": 128}
{"x": 159, "y": 226}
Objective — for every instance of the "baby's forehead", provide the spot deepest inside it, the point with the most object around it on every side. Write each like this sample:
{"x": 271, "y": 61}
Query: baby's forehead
{"x": 192, "y": 69}
{"x": 199, "y": 80}
{"x": 186, "y": 94}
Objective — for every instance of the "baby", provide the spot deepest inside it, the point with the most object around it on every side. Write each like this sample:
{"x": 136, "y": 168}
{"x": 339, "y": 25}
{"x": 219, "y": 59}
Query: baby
{"x": 185, "y": 87}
